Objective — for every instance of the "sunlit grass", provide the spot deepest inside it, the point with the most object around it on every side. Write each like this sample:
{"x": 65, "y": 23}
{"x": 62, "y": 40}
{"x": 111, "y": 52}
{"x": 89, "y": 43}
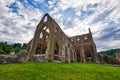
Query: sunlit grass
{"x": 59, "y": 71}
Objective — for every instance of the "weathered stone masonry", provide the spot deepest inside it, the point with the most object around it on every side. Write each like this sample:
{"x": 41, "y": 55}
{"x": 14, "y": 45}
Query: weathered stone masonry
{"x": 51, "y": 43}
{"x": 118, "y": 55}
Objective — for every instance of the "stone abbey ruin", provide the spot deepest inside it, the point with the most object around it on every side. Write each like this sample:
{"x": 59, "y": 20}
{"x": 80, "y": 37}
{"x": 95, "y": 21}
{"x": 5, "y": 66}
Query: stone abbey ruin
{"x": 52, "y": 44}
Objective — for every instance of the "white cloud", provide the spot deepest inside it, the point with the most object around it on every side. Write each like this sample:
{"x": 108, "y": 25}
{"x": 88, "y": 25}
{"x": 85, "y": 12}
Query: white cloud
{"x": 65, "y": 4}
{"x": 21, "y": 29}
{"x": 107, "y": 44}
{"x": 97, "y": 27}
{"x": 39, "y": 1}
{"x": 17, "y": 28}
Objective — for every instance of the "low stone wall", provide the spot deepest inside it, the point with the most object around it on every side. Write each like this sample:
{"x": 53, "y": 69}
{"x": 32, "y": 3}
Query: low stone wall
{"x": 19, "y": 58}
{"x": 8, "y": 59}
{"x": 108, "y": 60}
{"x": 22, "y": 56}
{"x": 39, "y": 58}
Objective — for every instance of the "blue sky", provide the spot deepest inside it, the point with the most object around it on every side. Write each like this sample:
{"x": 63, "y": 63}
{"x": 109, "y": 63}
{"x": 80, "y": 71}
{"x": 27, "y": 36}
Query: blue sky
{"x": 19, "y": 18}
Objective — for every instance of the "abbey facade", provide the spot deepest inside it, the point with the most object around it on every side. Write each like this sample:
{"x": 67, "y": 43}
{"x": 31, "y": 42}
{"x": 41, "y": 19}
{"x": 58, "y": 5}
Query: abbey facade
{"x": 51, "y": 43}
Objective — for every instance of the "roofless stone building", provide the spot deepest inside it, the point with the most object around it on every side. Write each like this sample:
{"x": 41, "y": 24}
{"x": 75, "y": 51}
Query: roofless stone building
{"x": 52, "y": 44}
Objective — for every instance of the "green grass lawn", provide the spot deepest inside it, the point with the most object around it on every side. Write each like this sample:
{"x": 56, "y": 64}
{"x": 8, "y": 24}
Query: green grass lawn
{"x": 59, "y": 71}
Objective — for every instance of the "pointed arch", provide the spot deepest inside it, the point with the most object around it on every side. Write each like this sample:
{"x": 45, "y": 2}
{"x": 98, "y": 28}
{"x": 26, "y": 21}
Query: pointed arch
{"x": 42, "y": 40}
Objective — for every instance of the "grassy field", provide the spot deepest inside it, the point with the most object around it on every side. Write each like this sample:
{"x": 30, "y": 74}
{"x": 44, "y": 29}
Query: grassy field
{"x": 59, "y": 71}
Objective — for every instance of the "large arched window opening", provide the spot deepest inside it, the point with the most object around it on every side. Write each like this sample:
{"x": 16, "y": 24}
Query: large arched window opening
{"x": 78, "y": 55}
{"x": 88, "y": 54}
{"x": 43, "y": 40}
{"x": 38, "y": 50}
{"x": 45, "y": 19}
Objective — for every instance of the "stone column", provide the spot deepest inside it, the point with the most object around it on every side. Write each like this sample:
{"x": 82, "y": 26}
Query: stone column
{"x": 82, "y": 54}
{"x": 51, "y": 43}
{"x": 68, "y": 55}
{"x": 95, "y": 53}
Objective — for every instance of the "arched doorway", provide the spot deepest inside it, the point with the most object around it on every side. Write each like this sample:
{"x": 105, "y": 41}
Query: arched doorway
{"x": 56, "y": 52}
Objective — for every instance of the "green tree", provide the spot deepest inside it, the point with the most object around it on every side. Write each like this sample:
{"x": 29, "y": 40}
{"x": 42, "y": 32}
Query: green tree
{"x": 17, "y": 45}
{"x": 5, "y": 48}
{"x": 24, "y": 46}
{"x": 1, "y": 50}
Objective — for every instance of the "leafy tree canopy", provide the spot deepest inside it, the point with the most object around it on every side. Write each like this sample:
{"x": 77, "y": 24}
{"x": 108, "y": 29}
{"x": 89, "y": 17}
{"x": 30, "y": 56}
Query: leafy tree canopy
{"x": 7, "y": 49}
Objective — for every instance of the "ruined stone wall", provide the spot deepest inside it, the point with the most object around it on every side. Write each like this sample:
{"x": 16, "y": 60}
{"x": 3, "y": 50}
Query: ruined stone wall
{"x": 51, "y": 42}
{"x": 85, "y": 47}
{"x": 118, "y": 55}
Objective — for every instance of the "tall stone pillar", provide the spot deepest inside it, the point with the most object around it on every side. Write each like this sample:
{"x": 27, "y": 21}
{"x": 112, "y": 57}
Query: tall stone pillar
{"x": 82, "y": 53}
{"x": 95, "y": 54}
{"x": 68, "y": 55}
{"x": 51, "y": 43}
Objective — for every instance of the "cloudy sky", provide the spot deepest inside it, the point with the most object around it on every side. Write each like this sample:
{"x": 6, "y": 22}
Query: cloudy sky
{"x": 19, "y": 18}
